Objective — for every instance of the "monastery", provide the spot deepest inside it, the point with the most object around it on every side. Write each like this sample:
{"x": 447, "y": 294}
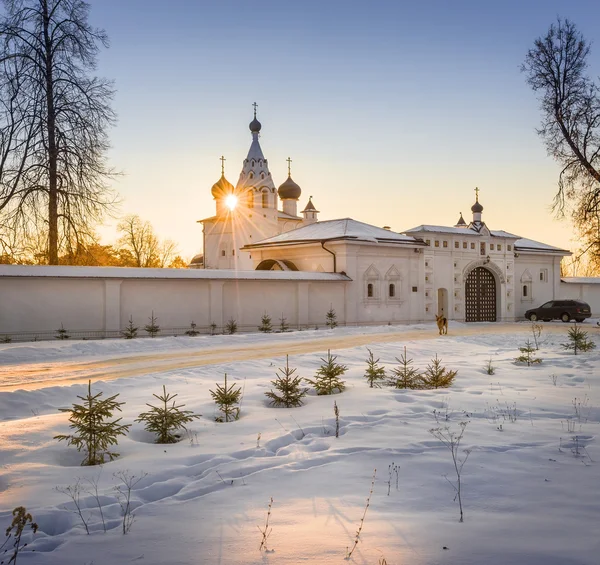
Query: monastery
{"x": 465, "y": 272}
{"x": 264, "y": 256}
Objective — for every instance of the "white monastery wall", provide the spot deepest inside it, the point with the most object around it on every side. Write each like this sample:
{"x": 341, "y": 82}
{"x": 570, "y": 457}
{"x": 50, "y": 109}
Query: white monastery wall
{"x": 37, "y": 305}
{"x": 537, "y": 280}
{"x": 175, "y": 303}
{"x": 587, "y": 291}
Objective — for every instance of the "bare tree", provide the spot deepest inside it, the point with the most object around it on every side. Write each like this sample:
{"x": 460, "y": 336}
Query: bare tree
{"x": 54, "y": 116}
{"x": 139, "y": 239}
{"x": 556, "y": 68}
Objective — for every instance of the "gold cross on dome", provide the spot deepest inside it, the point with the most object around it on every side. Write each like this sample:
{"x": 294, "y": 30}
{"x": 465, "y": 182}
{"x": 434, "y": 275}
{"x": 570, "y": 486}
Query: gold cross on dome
{"x": 255, "y": 105}
{"x": 222, "y": 159}
{"x": 477, "y": 194}
{"x": 289, "y": 162}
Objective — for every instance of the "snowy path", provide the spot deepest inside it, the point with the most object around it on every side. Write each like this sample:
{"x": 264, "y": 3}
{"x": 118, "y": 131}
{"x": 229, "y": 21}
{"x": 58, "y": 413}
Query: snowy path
{"x": 32, "y": 376}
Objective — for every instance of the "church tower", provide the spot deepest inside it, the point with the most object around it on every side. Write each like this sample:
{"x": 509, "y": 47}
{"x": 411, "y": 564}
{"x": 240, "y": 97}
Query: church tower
{"x": 249, "y": 212}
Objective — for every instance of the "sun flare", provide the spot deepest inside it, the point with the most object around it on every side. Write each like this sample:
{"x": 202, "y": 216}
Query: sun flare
{"x": 231, "y": 201}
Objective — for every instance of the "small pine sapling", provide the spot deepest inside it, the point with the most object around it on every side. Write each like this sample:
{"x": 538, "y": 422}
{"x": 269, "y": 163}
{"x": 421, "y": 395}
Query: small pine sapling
{"x": 165, "y": 420}
{"x": 289, "y": 387}
{"x": 436, "y": 375}
{"x": 192, "y": 332}
{"x": 265, "y": 324}
{"x": 130, "y": 331}
{"x": 374, "y": 374}
{"x": 283, "y": 325}
{"x": 21, "y": 519}
{"x": 152, "y": 328}
{"x": 94, "y": 433}
{"x": 527, "y": 356}
{"x": 213, "y": 328}
{"x": 405, "y": 375}
{"x": 331, "y": 318}
{"x": 578, "y": 340}
{"x": 327, "y": 379}
{"x": 61, "y": 333}
{"x": 227, "y": 398}
{"x": 6, "y": 339}
{"x": 231, "y": 327}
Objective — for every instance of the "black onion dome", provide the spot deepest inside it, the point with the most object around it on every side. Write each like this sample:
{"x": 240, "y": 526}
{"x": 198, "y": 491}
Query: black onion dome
{"x": 477, "y": 208}
{"x": 221, "y": 188}
{"x": 255, "y": 125}
{"x": 289, "y": 190}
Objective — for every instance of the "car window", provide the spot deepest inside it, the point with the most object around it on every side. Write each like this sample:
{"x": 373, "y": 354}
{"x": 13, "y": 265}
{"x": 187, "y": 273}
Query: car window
{"x": 547, "y": 305}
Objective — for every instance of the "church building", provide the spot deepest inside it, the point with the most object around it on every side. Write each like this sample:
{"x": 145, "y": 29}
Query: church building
{"x": 465, "y": 271}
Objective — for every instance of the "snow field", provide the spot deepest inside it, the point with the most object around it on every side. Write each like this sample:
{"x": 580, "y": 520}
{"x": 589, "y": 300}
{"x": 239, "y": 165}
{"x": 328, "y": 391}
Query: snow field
{"x": 530, "y": 489}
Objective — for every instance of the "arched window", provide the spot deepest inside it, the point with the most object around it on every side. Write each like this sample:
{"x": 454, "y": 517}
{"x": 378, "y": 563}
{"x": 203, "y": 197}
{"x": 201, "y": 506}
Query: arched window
{"x": 250, "y": 199}
{"x": 524, "y": 290}
{"x": 222, "y": 252}
{"x": 369, "y": 290}
{"x": 265, "y": 199}
{"x": 392, "y": 291}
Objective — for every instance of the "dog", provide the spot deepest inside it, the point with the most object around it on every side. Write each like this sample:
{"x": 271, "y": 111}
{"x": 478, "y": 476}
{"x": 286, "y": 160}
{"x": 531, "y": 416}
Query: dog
{"x": 442, "y": 324}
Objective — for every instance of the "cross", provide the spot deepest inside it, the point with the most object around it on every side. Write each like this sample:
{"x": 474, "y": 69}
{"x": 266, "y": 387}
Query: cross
{"x": 477, "y": 194}
{"x": 222, "y": 159}
{"x": 255, "y": 107}
{"x": 289, "y": 162}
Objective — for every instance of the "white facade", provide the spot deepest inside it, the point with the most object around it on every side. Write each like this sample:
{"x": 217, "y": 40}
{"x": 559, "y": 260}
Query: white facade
{"x": 261, "y": 259}
{"x": 253, "y": 212}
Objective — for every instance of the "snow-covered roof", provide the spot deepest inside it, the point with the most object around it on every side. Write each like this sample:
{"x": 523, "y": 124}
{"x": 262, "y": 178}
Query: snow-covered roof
{"x": 343, "y": 229}
{"x": 581, "y": 280}
{"x": 135, "y": 273}
{"x": 525, "y": 245}
{"x": 458, "y": 231}
{"x": 521, "y": 244}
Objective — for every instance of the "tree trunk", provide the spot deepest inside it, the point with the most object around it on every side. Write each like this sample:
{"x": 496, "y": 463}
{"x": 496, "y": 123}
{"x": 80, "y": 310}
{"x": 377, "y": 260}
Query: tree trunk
{"x": 52, "y": 149}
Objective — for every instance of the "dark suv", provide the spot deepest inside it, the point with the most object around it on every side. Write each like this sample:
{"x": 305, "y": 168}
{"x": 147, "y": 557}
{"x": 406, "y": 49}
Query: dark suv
{"x": 565, "y": 310}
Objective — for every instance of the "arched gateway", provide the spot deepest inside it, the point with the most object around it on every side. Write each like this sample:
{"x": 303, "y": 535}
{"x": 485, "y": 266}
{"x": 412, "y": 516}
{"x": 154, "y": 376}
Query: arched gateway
{"x": 480, "y": 296}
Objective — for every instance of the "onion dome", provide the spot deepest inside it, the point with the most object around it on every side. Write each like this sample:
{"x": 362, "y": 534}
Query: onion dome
{"x": 255, "y": 125}
{"x": 222, "y": 188}
{"x": 477, "y": 208}
{"x": 289, "y": 190}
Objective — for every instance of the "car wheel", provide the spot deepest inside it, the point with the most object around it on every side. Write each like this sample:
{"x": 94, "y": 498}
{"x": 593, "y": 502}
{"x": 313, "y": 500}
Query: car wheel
{"x": 565, "y": 317}
{"x": 579, "y": 320}
{"x": 533, "y": 317}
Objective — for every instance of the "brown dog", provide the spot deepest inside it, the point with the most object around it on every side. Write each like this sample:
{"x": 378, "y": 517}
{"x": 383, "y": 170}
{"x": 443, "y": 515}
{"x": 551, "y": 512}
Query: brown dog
{"x": 442, "y": 324}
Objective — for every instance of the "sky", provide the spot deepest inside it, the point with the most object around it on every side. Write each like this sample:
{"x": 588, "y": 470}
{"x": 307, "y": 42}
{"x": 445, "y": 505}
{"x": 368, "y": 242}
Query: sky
{"x": 391, "y": 111}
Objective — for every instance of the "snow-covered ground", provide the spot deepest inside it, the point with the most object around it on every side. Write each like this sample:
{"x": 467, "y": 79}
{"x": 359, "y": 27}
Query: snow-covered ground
{"x": 531, "y": 483}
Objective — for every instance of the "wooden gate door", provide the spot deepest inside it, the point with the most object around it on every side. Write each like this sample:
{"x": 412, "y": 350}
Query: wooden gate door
{"x": 480, "y": 296}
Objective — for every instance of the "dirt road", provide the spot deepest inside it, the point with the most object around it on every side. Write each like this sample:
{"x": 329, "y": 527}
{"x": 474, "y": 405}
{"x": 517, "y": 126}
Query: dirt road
{"x": 40, "y": 375}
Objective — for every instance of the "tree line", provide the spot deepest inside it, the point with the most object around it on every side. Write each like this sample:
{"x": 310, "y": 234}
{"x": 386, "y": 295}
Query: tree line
{"x": 137, "y": 246}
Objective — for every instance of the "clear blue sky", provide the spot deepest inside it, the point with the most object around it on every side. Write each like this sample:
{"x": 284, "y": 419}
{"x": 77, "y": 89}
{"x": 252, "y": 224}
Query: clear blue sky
{"x": 391, "y": 111}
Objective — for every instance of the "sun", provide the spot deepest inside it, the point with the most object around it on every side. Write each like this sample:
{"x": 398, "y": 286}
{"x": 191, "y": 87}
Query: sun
{"x": 231, "y": 201}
